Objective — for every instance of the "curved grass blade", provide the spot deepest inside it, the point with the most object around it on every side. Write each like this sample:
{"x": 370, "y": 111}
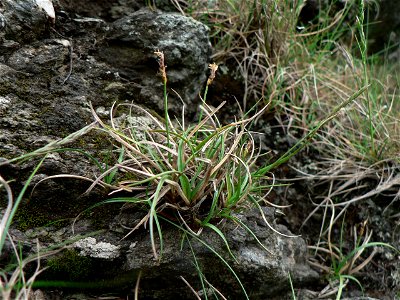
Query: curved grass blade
{"x": 213, "y": 251}
{"x": 153, "y": 216}
{"x": 16, "y": 204}
{"x": 219, "y": 232}
{"x": 249, "y": 231}
{"x": 357, "y": 249}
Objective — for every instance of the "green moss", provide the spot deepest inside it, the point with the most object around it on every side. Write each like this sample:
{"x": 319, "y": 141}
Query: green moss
{"x": 70, "y": 266}
{"x": 27, "y": 218}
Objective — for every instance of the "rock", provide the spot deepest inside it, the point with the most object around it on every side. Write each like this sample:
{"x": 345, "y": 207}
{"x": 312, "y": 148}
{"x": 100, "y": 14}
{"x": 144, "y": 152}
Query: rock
{"x": 37, "y": 295}
{"x": 263, "y": 274}
{"x": 106, "y": 10}
{"x": 48, "y": 78}
{"x": 109, "y": 262}
{"x": 130, "y": 46}
{"x": 45, "y": 86}
{"x": 40, "y": 59}
{"x": 89, "y": 247}
{"x": 20, "y": 22}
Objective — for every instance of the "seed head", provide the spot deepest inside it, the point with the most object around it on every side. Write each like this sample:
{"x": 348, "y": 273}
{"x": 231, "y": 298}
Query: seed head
{"x": 161, "y": 64}
{"x": 213, "y": 67}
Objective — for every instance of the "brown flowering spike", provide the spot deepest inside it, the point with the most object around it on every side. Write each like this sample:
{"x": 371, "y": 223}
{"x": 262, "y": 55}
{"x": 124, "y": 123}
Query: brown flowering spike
{"x": 213, "y": 67}
{"x": 161, "y": 63}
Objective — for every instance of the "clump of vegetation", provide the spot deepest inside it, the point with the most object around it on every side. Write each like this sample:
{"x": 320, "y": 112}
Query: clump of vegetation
{"x": 192, "y": 174}
{"x": 304, "y": 71}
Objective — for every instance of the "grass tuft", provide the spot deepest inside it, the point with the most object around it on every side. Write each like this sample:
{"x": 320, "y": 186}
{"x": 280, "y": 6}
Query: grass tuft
{"x": 195, "y": 175}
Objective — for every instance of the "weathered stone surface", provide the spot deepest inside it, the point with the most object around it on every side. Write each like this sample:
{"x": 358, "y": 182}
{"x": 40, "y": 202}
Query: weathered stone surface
{"x": 130, "y": 46}
{"x": 263, "y": 274}
{"x": 20, "y": 21}
{"x": 106, "y": 10}
{"x": 49, "y": 76}
{"x": 46, "y": 82}
{"x": 90, "y": 247}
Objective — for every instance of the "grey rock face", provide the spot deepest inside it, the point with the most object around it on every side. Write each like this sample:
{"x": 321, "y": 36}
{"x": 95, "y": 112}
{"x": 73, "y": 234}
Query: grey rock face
{"x": 20, "y": 21}
{"x": 131, "y": 43}
{"x": 46, "y": 80}
{"x": 263, "y": 273}
{"x": 90, "y": 247}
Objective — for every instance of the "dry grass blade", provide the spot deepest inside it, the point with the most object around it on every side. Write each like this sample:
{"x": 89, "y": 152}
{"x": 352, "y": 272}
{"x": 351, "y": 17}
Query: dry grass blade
{"x": 7, "y": 212}
{"x": 205, "y": 120}
{"x": 345, "y": 178}
{"x": 191, "y": 288}
{"x": 17, "y": 286}
{"x": 137, "y": 286}
{"x": 96, "y": 182}
{"x": 331, "y": 289}
{"x": 140, "y": 223}
{"x": 125, "y": 141}
{"x": 53, "y": 145}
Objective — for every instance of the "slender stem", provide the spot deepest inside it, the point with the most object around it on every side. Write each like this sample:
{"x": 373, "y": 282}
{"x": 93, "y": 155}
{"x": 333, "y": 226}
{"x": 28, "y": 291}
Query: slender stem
{"x": 204, "y": 101}
{"x": 363, "y": 50}
{"x": 167, "y": 118}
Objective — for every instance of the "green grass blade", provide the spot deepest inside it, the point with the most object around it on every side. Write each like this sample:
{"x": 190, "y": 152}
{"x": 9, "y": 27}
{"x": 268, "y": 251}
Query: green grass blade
{"x": 214, "y": 204}
{"x": 181, "y": 156}
{"x": 215, "y": 253}
{"x": 340, "y": 289}
{"x": 353, "y": 279}
{"x": 153, "y": 217}
{"x": 16, "y": 204}
{"x": 185, "y": 184}
{"x": 110, "y": 177}
{"x": 357, "y": 249}
{"x": 291, "y": 286}
{"x": 197, "y": 266}
{"x": 302, "y": 143}
{"x": 219, "y": 232}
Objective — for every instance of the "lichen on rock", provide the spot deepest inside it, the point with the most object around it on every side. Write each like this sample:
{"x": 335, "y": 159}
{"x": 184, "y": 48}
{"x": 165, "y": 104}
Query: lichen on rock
{"x": 90, "y": 247}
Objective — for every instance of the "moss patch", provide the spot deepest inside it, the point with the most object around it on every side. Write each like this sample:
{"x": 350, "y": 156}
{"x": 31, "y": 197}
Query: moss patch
{"x": 27, "y": 218}
{"x": 70, "y": 266}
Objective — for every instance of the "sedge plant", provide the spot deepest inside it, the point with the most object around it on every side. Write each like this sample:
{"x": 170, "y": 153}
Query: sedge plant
{"x": 343, "y": 261}
{"x": 196, "y": 175}
{"x": 191, "y": 174}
